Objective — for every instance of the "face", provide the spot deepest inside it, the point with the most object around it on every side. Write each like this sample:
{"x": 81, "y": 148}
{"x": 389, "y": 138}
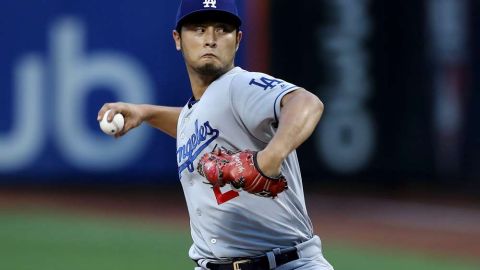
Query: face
{"x": 208, "y": 48}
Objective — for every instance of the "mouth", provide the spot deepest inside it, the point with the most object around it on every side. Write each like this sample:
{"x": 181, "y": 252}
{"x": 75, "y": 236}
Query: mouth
{"x": 209, "y": 55}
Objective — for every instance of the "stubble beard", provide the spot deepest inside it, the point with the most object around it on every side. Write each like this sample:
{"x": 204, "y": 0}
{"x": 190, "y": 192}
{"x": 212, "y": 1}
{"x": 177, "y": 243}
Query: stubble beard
{"x": 210, "y": 70}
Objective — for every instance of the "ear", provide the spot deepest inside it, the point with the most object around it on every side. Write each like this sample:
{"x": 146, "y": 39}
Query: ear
{"x": 177, "y": 39}
{"x": 239, "y": 38}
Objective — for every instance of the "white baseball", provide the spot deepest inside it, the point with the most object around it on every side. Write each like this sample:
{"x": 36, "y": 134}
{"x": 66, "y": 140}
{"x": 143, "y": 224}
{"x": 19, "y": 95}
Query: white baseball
{"x": 112, "y": 128}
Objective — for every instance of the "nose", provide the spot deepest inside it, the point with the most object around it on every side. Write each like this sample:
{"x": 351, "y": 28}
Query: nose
{"x": 210, "y": 37}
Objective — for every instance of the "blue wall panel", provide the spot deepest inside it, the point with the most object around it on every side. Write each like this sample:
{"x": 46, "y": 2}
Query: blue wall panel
{"x": 60, "y": 60}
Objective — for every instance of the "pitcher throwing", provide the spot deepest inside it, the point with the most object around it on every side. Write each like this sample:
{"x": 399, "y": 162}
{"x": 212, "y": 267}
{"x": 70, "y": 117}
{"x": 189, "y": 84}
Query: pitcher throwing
{"x": 236, "y": 141}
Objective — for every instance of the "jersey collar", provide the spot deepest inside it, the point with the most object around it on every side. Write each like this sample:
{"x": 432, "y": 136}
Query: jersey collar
{"x": 192, "y": 101}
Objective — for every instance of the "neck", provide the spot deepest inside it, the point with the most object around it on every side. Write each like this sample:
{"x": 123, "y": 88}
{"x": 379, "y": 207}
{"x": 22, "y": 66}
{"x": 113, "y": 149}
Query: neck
{"x": 200, "y": 82}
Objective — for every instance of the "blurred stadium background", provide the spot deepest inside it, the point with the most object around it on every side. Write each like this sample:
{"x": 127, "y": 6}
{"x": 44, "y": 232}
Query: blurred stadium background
{"x": 392, "y": 175}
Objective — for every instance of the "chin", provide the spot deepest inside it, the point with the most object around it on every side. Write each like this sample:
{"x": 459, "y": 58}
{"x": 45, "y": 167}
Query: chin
{"x": 210, "y": 69}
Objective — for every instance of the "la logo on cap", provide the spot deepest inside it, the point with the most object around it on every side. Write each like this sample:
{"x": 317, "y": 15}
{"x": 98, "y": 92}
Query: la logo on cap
{"x": 210, "y": 3}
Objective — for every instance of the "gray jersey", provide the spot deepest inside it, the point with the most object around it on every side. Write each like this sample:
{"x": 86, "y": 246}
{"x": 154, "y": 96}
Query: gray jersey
{"x": 238, "y": 111}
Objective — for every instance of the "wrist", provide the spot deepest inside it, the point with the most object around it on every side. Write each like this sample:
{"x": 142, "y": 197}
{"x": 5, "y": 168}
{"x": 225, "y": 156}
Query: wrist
{"x": 270, "y": 161}
{"x": 143, "y": 112}
{"x": 275, "y": 154}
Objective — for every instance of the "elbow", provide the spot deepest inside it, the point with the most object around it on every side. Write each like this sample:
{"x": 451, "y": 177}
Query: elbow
{"x": 306, "y": 102}
{"x": 316, "y": 105}
{"x": 320, "y": 106}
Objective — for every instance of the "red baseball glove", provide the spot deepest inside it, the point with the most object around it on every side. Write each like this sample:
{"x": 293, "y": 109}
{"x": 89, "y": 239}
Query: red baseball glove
{"x": 239, "y": 169}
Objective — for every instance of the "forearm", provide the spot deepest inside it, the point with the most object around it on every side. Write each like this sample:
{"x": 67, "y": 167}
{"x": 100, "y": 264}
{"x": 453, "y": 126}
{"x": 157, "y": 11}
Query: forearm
{"x": 161, "y": 117}
{"x": 299, "y": 117}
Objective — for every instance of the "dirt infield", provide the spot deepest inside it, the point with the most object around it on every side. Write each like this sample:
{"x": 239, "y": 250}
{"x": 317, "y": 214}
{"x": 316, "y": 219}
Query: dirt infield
{"x": 430, "y": 228}
{"x": 411, "y": 226}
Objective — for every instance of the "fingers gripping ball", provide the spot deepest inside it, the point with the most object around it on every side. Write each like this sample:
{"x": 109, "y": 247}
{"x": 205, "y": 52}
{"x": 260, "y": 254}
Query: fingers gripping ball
{"x": 112, "y": 128}
{"x": 239, "y": 169}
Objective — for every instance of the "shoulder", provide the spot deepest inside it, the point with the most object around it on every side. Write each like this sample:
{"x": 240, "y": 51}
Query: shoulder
{"x": 248, "y": 75}
{"x": 255, "y": 80}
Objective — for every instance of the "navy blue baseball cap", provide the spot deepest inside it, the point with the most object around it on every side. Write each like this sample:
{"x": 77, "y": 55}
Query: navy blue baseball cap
{"x": 191, "y": 8}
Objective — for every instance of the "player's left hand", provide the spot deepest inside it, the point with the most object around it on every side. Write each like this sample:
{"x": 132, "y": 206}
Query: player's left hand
{"x": 239, "y": 169}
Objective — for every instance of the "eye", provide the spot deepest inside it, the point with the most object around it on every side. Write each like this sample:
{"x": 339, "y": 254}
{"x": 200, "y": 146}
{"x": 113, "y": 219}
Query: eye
{"x": 225, "y": 28}
{"x": 200, "y": 29}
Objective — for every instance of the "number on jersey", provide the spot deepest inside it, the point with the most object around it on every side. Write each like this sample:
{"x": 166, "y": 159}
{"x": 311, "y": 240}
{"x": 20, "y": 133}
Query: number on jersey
{"x": 224, "y": 197}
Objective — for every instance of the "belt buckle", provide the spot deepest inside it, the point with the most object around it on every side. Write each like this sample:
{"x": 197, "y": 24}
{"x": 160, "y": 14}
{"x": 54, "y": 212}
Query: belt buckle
{"x": 236, "y": 265}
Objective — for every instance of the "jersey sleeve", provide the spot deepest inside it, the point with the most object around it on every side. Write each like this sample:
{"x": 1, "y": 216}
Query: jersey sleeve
{"x": 255, "y": 100}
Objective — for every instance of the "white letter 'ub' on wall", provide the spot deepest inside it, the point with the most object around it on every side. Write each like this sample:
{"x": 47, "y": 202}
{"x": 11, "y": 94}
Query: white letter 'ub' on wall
{"x": 72, "y": 75}
{"x": 23, "y": 143}
{"x": 77, "y": 72}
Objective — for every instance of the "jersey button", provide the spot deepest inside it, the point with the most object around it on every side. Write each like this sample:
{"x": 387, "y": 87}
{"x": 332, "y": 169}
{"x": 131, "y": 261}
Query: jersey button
{"x": 213, "y": 241}
{"x": 199, "y": 213}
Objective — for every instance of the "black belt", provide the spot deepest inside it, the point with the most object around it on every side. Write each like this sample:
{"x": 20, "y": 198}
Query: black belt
{"x": 256, "y": 263}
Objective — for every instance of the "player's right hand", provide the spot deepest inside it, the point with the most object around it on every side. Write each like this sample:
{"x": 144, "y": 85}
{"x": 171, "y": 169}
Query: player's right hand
{"x": 131, "y": 112}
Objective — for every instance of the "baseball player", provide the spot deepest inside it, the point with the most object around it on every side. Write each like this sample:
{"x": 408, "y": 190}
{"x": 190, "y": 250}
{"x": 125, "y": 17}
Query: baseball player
{"x": 236, "y": 141}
